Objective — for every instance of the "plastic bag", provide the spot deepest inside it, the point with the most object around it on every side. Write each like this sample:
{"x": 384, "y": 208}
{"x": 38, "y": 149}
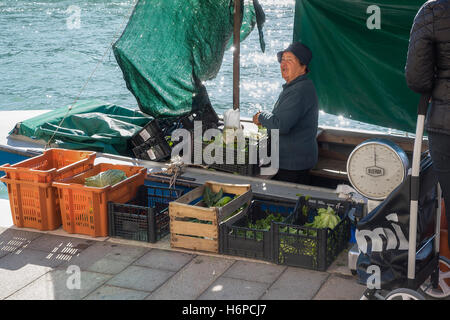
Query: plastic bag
{"x": 232, "y": 122}
{"x": 105, "y": 178}
{"x": 232, "y": 119}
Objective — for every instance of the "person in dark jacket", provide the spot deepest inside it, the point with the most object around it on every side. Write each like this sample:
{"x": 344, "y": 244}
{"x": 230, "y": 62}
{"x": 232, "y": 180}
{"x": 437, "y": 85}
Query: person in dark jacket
{"x": 295, "y": 115}
{"x": 428, "y": 72}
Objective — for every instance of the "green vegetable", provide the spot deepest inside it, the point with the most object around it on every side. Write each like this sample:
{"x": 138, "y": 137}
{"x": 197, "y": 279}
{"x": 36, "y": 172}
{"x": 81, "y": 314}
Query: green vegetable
{"x": 264, "y": 224}
{"x": 326, "y": 218}
{"x": 223, "y": 201}
{"x": 211, "y": 199}
{"x": 207, "y": 195}
{"x": 169, "y": 141}
{"x": 259, "y": 227}
{"x": 105, "y": 178}
{"x": 217, "y": 197}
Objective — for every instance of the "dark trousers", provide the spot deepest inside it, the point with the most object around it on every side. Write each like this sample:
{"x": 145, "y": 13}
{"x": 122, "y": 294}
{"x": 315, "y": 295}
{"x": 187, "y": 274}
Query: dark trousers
{"x": 294, "y": 176}
{"x": 440, "y": 154}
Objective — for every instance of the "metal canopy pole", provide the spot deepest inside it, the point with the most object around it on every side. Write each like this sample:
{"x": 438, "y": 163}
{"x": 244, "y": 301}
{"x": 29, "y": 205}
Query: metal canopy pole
{"x": 236, "y": 52}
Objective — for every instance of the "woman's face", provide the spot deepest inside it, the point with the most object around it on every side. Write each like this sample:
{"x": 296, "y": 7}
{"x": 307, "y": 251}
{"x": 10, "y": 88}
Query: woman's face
{"x": 290, "y": 66}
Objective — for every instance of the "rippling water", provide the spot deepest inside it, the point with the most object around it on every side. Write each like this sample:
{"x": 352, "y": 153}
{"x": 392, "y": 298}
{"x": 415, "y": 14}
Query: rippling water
{"x": 44, "y": 63}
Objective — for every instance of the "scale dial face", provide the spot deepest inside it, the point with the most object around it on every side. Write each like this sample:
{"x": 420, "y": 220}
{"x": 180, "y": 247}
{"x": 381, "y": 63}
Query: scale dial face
{"x": 375, "y": 169}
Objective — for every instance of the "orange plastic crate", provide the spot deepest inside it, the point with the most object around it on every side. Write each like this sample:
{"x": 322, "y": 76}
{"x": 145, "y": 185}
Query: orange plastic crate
{"x": 52, "y": 165}
{"x": 84, "y": 210}
{"x": 33, "y": 201}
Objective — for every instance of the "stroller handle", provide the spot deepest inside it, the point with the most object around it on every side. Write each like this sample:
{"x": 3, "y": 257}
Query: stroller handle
{"x": 415, "y": 183}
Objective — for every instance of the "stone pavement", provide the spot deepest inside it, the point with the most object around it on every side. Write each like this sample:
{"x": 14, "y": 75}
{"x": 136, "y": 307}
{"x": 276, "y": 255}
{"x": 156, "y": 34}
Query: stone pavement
{"x": 43, "y": 265}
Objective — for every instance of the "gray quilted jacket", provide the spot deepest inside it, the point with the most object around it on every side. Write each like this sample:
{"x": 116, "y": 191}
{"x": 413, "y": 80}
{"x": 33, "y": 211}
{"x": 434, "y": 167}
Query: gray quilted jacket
{"x": 428, "y": 61}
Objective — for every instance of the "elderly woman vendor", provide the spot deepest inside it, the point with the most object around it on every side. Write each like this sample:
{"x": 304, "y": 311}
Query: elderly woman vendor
{"x": 295, "y": 115}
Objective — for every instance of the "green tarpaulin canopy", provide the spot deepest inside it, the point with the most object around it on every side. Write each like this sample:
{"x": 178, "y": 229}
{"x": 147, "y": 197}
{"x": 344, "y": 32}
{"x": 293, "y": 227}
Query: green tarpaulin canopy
{"x": 359, "y": 55}
{"x": 91, "y": 125}
{"x": 170, "y": 46}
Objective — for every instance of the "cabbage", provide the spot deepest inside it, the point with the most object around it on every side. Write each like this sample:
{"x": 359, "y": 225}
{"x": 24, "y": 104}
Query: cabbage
{"x": 105, "y": 178}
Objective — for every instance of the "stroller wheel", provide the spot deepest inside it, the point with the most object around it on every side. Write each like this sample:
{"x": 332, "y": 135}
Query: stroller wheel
{"x": 404, "y": 294}
{"x": 443, "y": 288}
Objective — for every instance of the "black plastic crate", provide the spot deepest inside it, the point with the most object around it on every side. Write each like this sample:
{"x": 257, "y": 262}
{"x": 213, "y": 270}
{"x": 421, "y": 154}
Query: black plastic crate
{"x": 150, "y": 130}
{"x": 154, "y": 149}
{"x": 245, "y": 169}
{"x": 301, "y": 246}
{"x": 145, "y": 218}
{"x": 156, "y": 128}
{"x": 239, "y": 239}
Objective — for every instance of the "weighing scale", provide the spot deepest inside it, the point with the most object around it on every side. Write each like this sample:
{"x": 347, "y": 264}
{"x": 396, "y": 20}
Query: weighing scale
{"x": 375, "y": 168}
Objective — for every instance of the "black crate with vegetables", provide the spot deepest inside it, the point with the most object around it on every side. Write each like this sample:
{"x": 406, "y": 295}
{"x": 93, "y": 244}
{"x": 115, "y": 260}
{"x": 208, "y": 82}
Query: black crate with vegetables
{"x": 146, "y": 217}
{"x": 252, "y": 236}
{"x": 242, "y": 164}
{"x": 315, "y": 234}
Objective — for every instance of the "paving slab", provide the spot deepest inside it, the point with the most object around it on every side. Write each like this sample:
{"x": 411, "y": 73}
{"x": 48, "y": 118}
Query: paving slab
{"x": 97, "y": 256}
{"x": 108, "y": 292}
{"x": 253, "y": 271}
{"x": 141, "y": 278}
{"x": 61, "y": 285}
{"x": 340, "y": 288}
{"x": 108, "y": 266}
{"x": 12, "y": 240}
{"x": 234, "y": 289}
{"x": 60, "y": 244}
{"x": 340, "y": 264}
{"x": 22, "y": 267}
{"x": 165, "y": 260}
{"x": 296, "y": 284}
{"x": 193, "y": 279}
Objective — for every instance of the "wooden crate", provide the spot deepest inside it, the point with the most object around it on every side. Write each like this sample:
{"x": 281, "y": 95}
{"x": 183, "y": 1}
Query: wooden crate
{"x": 203, "y": 236}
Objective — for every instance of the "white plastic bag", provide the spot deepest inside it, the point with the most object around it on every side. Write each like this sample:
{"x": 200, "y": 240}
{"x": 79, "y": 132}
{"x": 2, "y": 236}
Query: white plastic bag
{"x": 232, "y": 122}
{"x": 232, "y": 119}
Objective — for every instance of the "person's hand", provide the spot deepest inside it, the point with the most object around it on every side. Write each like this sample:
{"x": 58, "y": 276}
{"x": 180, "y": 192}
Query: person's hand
{"x": 255, "y": 119}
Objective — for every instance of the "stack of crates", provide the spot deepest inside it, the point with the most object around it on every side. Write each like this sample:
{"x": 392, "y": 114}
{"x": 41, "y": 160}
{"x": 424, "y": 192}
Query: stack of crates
{"x": 33, "y": 200}
{"x": 154, "y": 142}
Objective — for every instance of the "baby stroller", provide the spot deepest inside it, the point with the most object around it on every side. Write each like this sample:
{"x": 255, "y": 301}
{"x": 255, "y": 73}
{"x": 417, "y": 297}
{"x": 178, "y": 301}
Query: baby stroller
{"x": 399, "y": 239}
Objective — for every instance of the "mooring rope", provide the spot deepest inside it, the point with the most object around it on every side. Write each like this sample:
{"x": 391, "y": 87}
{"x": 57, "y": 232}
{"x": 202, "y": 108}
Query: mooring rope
{"x": 116, "y": 35}
{"x": 175, "y": 169}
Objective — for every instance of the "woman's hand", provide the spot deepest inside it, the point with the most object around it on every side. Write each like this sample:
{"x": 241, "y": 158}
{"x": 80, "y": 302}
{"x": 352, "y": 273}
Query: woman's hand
{"x": 256, "y": 120}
